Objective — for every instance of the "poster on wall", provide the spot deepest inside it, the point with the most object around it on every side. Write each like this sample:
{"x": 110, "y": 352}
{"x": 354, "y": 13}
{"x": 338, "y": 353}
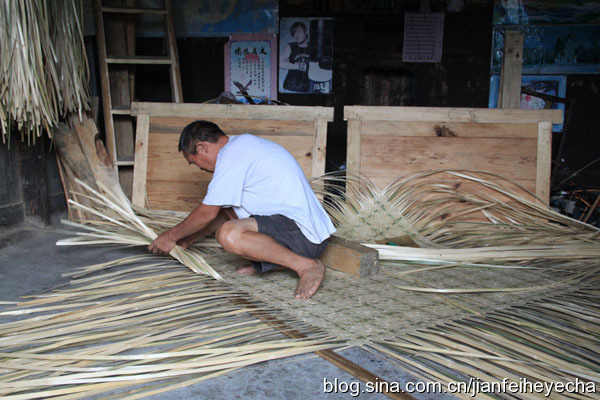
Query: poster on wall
{"x": 251, "y": 67}
{"x": 553, "y": 85}
{"x": 306, "y": 55}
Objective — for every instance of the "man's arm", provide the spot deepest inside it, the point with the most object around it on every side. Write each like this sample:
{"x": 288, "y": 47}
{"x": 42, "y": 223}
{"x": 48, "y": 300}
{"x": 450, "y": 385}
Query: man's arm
{"x": 196, "y": 221}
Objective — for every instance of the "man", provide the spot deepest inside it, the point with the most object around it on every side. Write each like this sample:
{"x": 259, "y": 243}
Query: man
{"x": 259, "y": 205}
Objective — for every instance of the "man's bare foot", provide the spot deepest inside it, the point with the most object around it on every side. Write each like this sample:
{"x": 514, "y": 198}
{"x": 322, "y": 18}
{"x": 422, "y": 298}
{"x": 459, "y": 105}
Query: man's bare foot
{"x": 310, "y": 280}
{"x": 247, "y": 270}
{"x": 250, "y": 270}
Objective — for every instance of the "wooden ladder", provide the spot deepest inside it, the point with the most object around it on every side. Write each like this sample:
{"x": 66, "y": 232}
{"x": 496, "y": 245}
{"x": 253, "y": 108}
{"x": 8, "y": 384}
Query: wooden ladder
{"x": 115, "y": 33}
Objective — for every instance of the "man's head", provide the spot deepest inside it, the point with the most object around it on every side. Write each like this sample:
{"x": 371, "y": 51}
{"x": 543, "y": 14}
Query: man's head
{"x": 200, "y": 142}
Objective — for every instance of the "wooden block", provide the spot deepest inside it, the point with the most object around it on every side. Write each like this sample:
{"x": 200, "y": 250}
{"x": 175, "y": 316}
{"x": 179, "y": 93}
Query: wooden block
{"x": 351, "y": 257}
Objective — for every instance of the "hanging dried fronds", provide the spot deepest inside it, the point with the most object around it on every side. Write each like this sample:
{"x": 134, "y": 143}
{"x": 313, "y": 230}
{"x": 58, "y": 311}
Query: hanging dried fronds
{"x": 43, "y": 66}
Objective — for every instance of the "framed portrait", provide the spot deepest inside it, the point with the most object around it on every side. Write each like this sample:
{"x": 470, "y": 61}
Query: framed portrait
{"x": 305, "y": 55}
{"x": 251, "y": 67}
{"x": 553, "y": 85}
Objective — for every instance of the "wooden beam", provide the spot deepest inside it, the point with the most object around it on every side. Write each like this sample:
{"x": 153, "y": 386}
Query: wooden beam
{"x": 141, "y": 161}
{"x": 543, "y": 168}
{"x": 237, "y": 111}
{"x": 449, "y": 114}
{"x": 353, "y": 146}
{"x": 351, "y": 257}
{"x": 512, "y": 65}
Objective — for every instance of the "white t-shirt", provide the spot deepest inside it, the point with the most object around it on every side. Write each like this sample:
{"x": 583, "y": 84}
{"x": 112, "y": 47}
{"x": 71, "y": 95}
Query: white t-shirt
{"x": 258, "y": 177}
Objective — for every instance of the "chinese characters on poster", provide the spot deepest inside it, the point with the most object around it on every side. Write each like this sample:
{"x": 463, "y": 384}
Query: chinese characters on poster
{"x": 250, "y": 67}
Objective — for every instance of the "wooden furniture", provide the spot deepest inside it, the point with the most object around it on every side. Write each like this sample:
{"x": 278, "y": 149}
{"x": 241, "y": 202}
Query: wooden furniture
{"x": 117, "y": 60}
{"x": 385, "y": 143}
{"x": 164, "y": 180}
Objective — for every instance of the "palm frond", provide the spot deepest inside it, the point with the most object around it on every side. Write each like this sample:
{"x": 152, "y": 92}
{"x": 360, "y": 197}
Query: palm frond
{"x": 119, "y": 224}
{"x": 139, "y": 329}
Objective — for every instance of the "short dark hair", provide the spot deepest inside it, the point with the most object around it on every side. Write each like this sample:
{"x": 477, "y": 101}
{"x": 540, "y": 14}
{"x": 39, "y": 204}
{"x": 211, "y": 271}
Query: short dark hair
{"x": 296, "y": 26}
{"x": 198, "y": 131}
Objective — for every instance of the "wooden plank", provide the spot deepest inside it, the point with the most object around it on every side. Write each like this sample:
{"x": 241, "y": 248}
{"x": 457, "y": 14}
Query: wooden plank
{"x": 319, "y": 148}
{"x": 353, "y": 146}
{"x": 446, "y": 114}
{"x": 138, "y": 197}
{"x": 470, "y": 187}
{"x": 353, "y": 154}
{"x": 449, "y": 129}
{"x": 512, "y": 64}
{"x": 395, "y": 157}
{"x": 240, "y": 111}
{"x": 237, "y": 126}
{"x": 173, "y": 184}
{"x": 543, "y": 167}
{"x": 350, "y": 257}
{"x": 165, "y": 162}
{"x": 176, "y": 196}
{"x": 95, "y": 153}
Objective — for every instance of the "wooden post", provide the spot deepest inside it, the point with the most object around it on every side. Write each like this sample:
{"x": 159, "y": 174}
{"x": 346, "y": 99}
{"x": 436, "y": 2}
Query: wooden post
{"x": 141, "y": 160}
{"x": 512, "y": 65}
{"x": 543, "y": 167}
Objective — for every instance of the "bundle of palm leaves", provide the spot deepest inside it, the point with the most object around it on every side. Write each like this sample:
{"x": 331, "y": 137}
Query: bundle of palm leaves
{"x": 43, "y": 67}
{"x": 118, "y": 223}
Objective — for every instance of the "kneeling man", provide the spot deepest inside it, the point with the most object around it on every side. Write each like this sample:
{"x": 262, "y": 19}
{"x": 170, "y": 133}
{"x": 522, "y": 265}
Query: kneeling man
{"x": 259, "y": 204}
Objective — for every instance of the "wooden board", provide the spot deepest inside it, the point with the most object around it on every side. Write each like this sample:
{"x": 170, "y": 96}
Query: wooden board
{"x": 350, "y": 257}
{"x": 164, "y": 180}
{"x": 386, "y": 143}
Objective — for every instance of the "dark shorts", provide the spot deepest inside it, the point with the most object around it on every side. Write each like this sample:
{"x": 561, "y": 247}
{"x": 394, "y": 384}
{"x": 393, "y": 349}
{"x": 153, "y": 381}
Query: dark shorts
{"x": 285, "y": 232}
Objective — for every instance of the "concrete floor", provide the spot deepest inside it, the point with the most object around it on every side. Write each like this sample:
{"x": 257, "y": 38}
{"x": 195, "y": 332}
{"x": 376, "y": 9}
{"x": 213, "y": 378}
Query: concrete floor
{"x": 31, "y": 263}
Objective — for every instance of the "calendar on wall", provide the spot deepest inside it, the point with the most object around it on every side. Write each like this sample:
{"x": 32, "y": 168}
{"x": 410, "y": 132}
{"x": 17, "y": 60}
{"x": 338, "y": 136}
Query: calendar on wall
{"x": 251, "y": 67}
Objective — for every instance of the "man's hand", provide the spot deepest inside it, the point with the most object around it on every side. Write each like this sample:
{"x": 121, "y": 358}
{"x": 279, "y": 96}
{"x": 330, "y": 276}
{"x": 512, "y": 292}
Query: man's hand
{"x": 163, "y": 244}
{"x": 185, "y": 242}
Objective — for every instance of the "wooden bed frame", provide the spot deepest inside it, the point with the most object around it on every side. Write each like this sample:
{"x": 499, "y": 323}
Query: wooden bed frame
{"x": 162, "y": 178}
{"x": 385, "y": 143}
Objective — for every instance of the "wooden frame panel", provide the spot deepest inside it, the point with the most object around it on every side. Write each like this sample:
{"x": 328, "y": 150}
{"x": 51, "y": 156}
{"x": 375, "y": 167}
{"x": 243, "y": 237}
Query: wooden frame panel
{"x": 162, "y": 178}
{"x": 385, "y": 143}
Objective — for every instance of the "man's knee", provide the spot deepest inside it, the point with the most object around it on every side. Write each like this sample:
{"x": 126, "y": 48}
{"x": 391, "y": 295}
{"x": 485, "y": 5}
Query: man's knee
{"x": 228, "y": 236}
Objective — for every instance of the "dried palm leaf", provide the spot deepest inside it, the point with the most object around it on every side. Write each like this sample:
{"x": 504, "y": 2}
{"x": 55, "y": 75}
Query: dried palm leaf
{"x": 438, "y": 210}
{"x": 461, "y": 220}
{"x": 119, "y": 224}
{"x": 134, "y": 324}
{"x": 542, "y": 343}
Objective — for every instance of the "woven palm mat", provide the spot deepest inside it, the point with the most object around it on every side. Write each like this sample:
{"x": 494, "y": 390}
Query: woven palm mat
{"x": 360, "y": 310}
